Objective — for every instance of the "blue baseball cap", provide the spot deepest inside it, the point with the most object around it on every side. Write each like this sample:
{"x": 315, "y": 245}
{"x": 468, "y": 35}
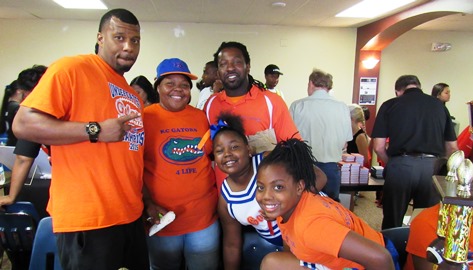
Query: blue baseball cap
{"x": 174, "y": 66}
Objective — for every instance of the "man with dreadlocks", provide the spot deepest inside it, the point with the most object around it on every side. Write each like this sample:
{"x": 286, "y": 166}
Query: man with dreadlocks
{"x": 266, "y": 118}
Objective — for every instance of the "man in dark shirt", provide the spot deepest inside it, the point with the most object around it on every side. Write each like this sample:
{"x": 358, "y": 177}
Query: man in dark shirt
{"x": 420, "y": 130}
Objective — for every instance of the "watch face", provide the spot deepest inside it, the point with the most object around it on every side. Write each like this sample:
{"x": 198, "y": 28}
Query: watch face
{"x": 93, "y": 129}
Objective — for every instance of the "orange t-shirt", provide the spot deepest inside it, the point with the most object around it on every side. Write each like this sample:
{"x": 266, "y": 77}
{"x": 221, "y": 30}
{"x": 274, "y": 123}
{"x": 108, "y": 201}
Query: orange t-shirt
{"x": 94, "y": 185}
{"x": 423, "y": 230}
{"x": 178, "y": 175}
{"x": 254, "y": 111}
{"x": 317, "y": 228}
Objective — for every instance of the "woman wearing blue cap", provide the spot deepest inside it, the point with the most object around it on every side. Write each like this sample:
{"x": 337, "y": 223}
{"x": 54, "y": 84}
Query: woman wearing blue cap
{"x": 178, "y": 175}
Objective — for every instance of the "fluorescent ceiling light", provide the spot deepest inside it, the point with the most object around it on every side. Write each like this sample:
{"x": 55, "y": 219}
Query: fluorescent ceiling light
{"x": 81, "y": 4}
{"x": 372, "y": 8}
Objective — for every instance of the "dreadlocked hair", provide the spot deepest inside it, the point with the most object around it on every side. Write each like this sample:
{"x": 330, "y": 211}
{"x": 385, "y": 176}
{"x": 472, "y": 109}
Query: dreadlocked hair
{"x": 256, "y": 83}
{"x": 297, "y": 158}
{"x": 234, "y": 124}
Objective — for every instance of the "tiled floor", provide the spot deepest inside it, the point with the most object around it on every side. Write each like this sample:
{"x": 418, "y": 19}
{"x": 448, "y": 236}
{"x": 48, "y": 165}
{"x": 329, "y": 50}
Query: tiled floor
{"x": 5, "y": 263}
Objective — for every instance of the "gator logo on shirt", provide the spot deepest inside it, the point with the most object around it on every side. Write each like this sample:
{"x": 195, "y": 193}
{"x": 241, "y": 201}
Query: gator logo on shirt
{"x": 181, "y": 151}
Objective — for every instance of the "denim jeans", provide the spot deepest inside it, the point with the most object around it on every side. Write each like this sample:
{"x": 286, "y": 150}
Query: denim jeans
{"x": 331, "y": 170}
{"x": 200, "y": 250}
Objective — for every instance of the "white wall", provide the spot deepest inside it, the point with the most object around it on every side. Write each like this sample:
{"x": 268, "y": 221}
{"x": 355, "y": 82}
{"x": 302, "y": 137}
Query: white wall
{"x": 296, "y": 50}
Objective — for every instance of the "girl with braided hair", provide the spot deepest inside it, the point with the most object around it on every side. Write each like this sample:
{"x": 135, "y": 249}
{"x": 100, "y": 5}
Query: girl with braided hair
{"x": 316, "y": 228}
{"x": 237, "y": 205}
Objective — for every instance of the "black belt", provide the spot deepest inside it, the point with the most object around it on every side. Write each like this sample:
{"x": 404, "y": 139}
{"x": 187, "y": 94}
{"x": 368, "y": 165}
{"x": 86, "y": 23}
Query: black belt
{"x": 421, "y": 155}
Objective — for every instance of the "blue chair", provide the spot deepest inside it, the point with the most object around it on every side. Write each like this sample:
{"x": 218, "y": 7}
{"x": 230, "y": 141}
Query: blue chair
{"x": 23, "y": 207}
{"x": 45, "y": 254}
{"x": 398, "y": 236}
{"x": 254, "y": 249}
{"x": 17, "y": 231}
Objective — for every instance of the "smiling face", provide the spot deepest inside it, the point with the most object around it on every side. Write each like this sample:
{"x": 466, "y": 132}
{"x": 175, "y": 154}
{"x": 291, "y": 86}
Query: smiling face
{"x": 277, "y": 191}
{"x": 232, "y": 154}
{"x": 233, "y": 71}
{"x": 174, "y": 92}
{"x": 119, "y": 44}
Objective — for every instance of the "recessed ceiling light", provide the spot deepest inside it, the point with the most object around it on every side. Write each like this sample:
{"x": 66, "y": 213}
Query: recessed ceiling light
{"x": 81, "y": 4}
{"x": 278, "y": 4}
{"x": 372, "y": 8}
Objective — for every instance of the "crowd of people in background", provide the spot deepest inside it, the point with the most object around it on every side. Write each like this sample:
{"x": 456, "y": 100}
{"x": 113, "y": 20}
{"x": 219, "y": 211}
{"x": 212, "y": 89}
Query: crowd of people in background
{"x": 125, "y": 154}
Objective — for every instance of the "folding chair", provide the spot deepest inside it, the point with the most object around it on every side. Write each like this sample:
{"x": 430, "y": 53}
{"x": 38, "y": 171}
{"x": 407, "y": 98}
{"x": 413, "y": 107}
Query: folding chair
{"x": 398, "y": 236}
{"x": 17, "y": 230}
{"x": 45, "y": 255}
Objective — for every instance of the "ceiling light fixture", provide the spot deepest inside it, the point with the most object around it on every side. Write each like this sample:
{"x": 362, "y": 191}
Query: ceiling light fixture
{"x": 278, "y": 4}
{"x": 81, "y": 4}
{"x": 372, "y": 8}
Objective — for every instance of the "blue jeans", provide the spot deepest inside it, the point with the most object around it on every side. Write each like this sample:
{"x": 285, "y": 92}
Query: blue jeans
{"x": 331, "y": 170}
{"x": 200, "y": 250}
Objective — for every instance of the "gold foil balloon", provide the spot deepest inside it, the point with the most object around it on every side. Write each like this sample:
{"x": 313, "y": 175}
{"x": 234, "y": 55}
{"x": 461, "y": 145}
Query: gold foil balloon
{"x": 452, "y": 164}
{"x": 465, "y": 175}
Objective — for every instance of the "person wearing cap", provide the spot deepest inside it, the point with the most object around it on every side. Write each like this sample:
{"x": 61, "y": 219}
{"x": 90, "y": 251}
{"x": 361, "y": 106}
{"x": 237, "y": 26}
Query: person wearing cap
{"x": 271, "y": 74}
{"x": 178, "y": 175}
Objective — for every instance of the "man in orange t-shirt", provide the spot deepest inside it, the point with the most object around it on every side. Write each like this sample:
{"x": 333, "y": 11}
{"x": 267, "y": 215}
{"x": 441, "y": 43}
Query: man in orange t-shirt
{"x": 261, "y": 110}
{"x": 84, "y": 108}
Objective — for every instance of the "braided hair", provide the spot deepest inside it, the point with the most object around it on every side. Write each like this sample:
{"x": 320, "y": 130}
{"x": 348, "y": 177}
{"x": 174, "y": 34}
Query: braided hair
{"x": 297, "y": 158}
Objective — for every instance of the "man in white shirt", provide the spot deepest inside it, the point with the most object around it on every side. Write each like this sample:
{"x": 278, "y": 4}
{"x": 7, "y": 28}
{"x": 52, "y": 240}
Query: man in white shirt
{"x": 325, "y": 123}
{"x": 206, "y": 84}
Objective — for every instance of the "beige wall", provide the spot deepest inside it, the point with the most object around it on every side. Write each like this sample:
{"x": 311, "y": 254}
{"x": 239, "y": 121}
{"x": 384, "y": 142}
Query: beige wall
{"x": 411, "y": 54}
{"x": 296, "y": 50}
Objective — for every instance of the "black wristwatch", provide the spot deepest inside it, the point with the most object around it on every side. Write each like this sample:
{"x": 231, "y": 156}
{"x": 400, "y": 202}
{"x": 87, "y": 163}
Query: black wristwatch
{"x": 93, "y": 129}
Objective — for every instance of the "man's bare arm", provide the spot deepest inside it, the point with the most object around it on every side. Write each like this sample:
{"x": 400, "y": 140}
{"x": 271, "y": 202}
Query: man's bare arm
{"x": 36, "y": 126}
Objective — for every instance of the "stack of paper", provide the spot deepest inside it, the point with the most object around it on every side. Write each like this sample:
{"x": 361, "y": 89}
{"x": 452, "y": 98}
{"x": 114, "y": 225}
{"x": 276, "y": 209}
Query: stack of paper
{"x": 364, "y": 175}
{"x": 348, "y": 158}
{"x": 359, "y": 158}
{"x": 355, "y": 173}
{"x": 345, "y": 171}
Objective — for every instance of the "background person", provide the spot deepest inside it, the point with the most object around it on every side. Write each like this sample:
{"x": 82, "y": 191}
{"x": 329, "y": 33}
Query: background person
{"x": 360, "y": 142}
{"x": 271, "y": 74}
{"x": 84, "y": 107}
{"x": 145, "y": 90}
{"x": 325, "y": 123}
{"x": 10, "y": 105}
{"x": 209, "y": 84}
{"x": 420, "y": 130}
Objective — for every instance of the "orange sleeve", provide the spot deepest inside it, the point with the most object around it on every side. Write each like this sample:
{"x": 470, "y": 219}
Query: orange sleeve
{"x": 283, "y": 124}
{"x": 423, "y": 231}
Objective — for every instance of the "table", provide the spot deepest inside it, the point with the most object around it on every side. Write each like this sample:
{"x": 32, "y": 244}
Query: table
{"x": 448, "y": 192}
{"x": 372, "y": 185}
